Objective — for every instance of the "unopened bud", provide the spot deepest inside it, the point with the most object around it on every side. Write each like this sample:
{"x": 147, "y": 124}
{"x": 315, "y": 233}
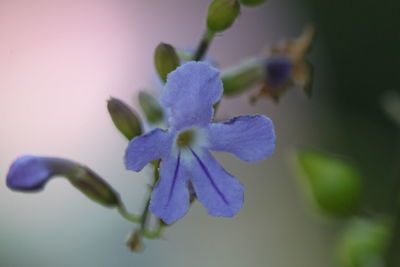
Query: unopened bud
{"x": 252, "y": 2}
{"x": 240, "y": 78}
{"x": 93, "y": 186}
{"x": 151, "y": 108}
{"x": 135, "y": 242}
{"x": 221, "y": 14}
{"x": 363, "y": 243}
{"x": 31, "y": 173}
{"x": 124, "y": 118}
{"x": 333, "y": 184}
{"x": 165, "y": 60}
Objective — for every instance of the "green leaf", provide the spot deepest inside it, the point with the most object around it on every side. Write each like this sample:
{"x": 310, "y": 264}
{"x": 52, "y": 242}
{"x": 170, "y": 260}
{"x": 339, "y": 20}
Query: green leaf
{"x": 333, "y": 184}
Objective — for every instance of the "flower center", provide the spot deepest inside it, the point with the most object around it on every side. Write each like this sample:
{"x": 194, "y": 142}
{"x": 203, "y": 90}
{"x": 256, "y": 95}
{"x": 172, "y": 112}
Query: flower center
{"x": 186, "y": 138}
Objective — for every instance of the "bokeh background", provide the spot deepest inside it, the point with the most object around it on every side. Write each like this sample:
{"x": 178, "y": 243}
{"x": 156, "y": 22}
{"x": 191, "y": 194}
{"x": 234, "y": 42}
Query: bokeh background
{"x": 61, "y": 60}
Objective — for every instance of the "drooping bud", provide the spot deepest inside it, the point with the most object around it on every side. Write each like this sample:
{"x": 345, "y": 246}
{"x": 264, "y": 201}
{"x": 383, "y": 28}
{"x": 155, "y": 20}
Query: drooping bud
{"x": 363, "y": 243}
{"x": 252, "y": 2}
{"x": 165, "y": 60}
{"x": 124, "y": 118}
{"x": 31, "y": 173}
{"x": 333, "y": 184}
{"x": 221, "y": 14}
{"x": 151, "y": 108}
{"x": 240, "y": 78}
{"x": 135, "y": 242}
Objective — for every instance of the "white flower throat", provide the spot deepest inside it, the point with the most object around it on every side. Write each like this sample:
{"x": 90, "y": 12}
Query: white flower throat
{"x": 190, "y": 139}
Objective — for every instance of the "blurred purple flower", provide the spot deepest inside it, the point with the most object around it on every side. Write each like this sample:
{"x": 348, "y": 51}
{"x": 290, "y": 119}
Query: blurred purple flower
{"x": 188, "y": 97}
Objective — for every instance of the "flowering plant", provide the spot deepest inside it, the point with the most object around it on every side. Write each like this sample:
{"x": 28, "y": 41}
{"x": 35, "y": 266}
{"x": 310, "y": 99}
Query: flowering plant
{"x": 184, "y": 168}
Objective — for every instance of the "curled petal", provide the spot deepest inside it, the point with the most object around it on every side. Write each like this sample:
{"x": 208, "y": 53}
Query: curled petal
{"x": 143, "y": 149}
{"x": 189, "y": 94}
{"x": 170, "y": 198}
{"x": 250, "y": 138}
{"x": 217, "y": 190}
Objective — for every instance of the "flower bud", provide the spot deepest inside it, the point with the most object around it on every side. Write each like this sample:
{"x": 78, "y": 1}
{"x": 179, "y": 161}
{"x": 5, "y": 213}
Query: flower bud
{"x": 135, "y": 242}
{"x": 243, "y": 77}
{"x": 252, "y": 2}
{"x": 151, "y": 108}
{"x": 222, "y": 14}
{"x": 277, "y": 71}
{"x": 333, "y": 184}
{"x": 93, "y": 186}
{"x": 165, "y": 60}
{"x": 124, "y": 118}
{"x": 30, "y": 173}
{"x": 363, "y": 243}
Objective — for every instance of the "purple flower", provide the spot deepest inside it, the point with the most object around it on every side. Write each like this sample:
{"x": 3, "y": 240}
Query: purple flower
{"x": 189, "y": 95}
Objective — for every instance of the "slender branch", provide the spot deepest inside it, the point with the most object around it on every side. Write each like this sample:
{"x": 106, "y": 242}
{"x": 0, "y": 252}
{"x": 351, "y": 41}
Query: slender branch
{"x": 203, "y": 45}
{"x": 124, "y": 213}
{"x": 145, "y": 215}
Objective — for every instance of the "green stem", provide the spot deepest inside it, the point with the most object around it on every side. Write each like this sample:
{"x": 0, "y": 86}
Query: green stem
{"x": 203, "y": 45}
{"x": 144, "y": 218}
{"x": 124, "y": 213}
{"x": 154, "y": 234}
{"x": 145, "y": 214}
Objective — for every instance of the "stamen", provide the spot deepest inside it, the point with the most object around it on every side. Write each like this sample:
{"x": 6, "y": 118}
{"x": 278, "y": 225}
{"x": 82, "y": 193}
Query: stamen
{"x": 186, "y": 138}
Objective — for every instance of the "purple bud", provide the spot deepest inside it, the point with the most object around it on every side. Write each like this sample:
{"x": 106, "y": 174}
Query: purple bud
{"x": 30, "y": 173}
{"x": 278, "y": 70}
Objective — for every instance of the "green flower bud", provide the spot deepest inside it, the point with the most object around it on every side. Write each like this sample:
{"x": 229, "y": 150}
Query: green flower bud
{"x": 222, "y": 14}
{"x": 93, "y": 186}
{"x": 165, "y": 60}
{"x": 240, "y": 78}
{"x": 363, "y": 243}
{"x": 333, "y": 184}
{"x": 252, "y": 2}
{"x": 124, "y": 118}
{"x": 151, "y": 108}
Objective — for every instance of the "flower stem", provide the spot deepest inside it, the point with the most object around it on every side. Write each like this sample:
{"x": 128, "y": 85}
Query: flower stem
{"x": 145, "y": 215}
{"x": 203, "y": 45}
{"x": 124, "y": 213}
